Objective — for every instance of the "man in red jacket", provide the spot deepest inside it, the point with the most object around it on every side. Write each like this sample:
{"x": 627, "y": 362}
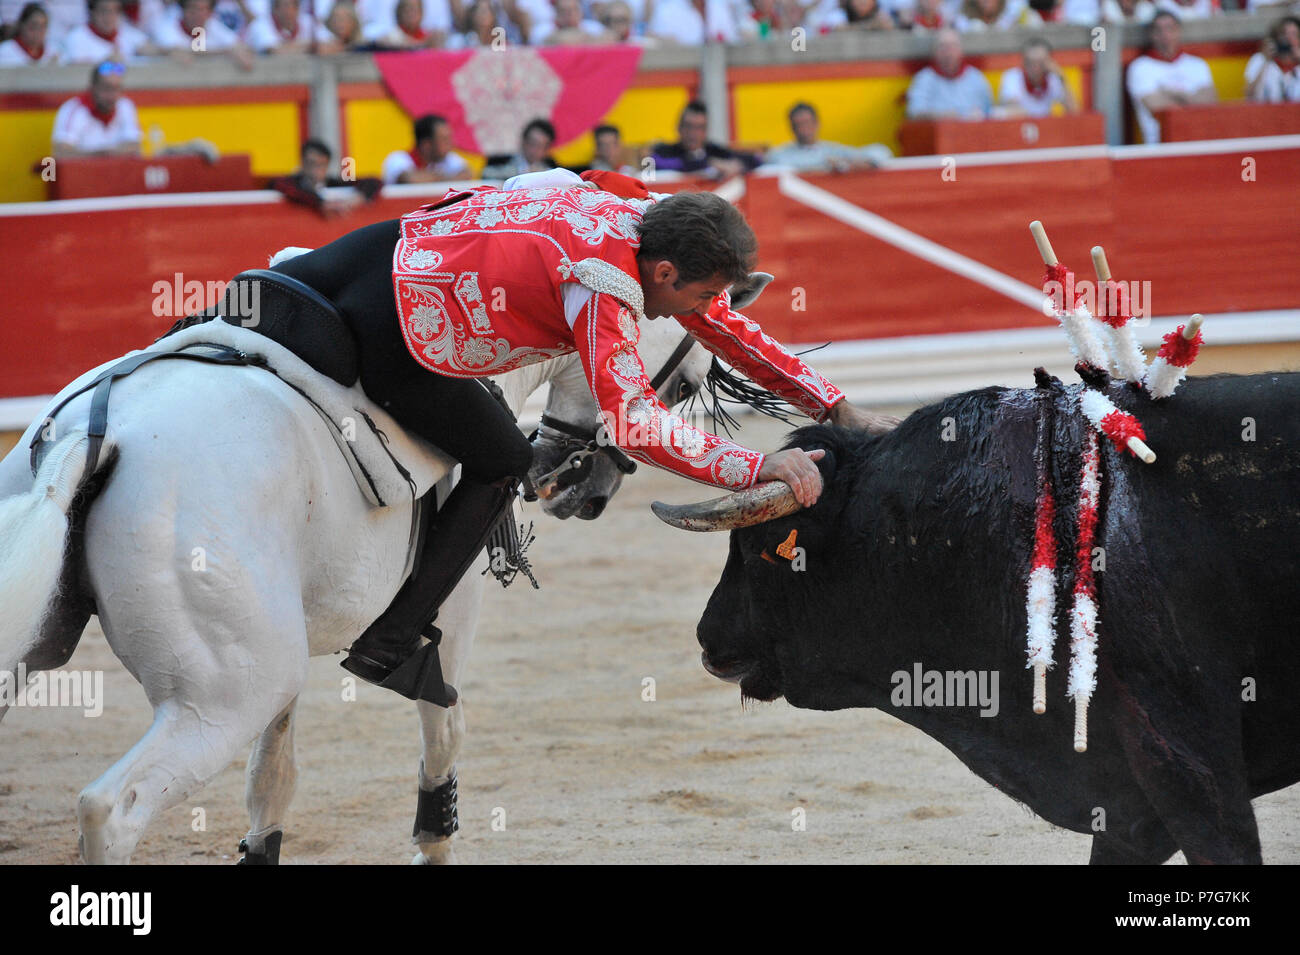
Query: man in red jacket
{"x": 488, "y": 280}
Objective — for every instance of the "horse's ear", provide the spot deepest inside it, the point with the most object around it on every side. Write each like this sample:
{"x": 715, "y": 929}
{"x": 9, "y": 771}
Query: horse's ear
{"x": 746, "y": 291}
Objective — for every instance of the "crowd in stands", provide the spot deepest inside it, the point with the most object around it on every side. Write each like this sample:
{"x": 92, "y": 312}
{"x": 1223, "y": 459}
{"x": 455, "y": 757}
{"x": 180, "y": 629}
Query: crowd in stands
{"x": 90, "y": 31}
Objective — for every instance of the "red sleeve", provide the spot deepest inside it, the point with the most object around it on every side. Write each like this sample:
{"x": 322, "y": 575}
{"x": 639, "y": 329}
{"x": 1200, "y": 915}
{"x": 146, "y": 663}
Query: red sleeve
{"x": 742, "y": 343}
{"x": 605, "y": 334}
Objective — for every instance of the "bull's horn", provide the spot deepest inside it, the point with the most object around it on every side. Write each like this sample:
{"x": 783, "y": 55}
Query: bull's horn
{"x": 757, "y": 505}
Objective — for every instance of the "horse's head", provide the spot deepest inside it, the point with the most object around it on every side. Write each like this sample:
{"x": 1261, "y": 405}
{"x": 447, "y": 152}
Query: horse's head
{"x": 576, "y": 469}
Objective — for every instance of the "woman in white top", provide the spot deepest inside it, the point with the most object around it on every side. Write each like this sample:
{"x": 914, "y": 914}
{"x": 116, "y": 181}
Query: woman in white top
{"x": 28, "y": 46}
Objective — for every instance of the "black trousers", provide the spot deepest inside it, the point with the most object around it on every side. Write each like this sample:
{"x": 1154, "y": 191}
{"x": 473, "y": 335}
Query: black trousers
{"x": 459, "y": 415}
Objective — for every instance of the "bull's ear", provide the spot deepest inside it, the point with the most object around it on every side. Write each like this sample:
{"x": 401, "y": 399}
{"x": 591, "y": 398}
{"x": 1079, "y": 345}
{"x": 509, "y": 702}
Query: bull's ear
{"x": 747, "y": 291}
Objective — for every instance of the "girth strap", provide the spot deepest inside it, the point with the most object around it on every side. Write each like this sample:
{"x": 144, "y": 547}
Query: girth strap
{"x": 103, "y": 383}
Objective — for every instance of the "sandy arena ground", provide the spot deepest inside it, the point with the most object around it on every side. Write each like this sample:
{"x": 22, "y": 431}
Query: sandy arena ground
{"x": 560, "y": 740}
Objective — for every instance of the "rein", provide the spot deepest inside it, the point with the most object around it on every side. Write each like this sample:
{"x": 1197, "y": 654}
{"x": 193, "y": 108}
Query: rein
{"x": 593, "y": 440}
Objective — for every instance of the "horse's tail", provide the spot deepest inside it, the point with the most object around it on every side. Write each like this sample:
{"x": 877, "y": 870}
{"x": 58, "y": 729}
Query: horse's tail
{"x": 33, "y": 538}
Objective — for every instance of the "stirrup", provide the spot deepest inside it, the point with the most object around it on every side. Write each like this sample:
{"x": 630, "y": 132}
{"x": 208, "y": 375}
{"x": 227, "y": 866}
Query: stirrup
{"x": 419, "y": 677}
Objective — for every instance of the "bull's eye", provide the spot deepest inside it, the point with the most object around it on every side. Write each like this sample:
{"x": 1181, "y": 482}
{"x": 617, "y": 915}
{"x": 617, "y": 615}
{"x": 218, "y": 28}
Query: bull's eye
{"x": 684, "y": 390}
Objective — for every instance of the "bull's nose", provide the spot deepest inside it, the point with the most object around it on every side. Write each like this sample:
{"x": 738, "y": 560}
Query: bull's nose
{"x": 731, "y": 671}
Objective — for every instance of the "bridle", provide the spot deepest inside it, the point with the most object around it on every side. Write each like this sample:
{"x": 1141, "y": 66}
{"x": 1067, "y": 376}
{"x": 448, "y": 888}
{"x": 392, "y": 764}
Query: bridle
{"x": 587, "y": 442}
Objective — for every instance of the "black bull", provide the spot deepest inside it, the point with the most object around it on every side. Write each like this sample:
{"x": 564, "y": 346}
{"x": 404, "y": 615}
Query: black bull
{"x": 918, "y": 551}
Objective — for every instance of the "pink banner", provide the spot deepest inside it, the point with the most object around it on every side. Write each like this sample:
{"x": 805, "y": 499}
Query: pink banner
{"x": 488, "y": 95}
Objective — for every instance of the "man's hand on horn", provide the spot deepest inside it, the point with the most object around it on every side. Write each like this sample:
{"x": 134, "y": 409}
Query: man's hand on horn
{"x": 796, "y": 468}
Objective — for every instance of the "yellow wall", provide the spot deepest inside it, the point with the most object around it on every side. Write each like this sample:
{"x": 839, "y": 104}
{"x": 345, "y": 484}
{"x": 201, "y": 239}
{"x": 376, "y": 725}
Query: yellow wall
{"x": 854, "y": 110}
{"x": 266, "y": 131}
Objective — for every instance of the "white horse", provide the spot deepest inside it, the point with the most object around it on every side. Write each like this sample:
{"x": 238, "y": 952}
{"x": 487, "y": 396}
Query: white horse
{"x": 297, "y": 564}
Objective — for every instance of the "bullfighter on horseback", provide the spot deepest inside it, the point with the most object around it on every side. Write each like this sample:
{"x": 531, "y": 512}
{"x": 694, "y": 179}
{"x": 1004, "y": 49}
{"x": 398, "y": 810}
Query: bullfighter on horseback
{"x": 487, "y": 280}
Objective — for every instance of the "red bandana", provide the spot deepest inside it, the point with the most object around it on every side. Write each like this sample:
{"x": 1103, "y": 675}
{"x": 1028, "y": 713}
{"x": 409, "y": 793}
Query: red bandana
{"x": 1038, "y": 90}
{"x": 107, "y": 37}
{"x": 34, "y": 54}
{"x": 419, "y": 34}
{"x": 931, "y": 21}
{"x": 88, "y": 101}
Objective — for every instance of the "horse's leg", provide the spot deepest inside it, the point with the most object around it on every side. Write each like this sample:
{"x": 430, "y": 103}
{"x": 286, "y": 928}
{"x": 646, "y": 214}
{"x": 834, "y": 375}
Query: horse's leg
{"x": 443, "y": 728}
{"x": 269, "y": 785}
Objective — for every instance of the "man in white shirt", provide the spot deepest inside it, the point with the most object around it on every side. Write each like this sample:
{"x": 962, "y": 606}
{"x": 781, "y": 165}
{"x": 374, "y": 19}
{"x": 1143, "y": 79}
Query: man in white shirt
{"x": 100, "y": 121}
{"x": 949, "y": 87}
{"x": 1273, "y": 74}
{"x": 106, "y": 35}
{"x": 191, "y": 26}
{"x": 432, "y": 159}
{"x": 287, "y": 29}
{"x": 569, "y": 27}
{"x": 693, "y": 22}
{"x": 1034, "y": 87}
{"x": 1165, "y": 77}
{"x": 810, "y": 154}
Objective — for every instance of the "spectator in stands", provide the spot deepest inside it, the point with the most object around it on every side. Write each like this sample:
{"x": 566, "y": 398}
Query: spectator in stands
{"x": 28, "y": 46}
{"x": 1165, "y": 77}
{"x": 189, "y": 27}
{"x": 105, "y": 35}
{"x": 1034, "y": 87}
{"x": 408, "y": 32}
{"x": 925, "y": 15}
{"x": 432, "y": 159}
{"x": 481, "y": 27}
{"x": 858, "y": 15}
{"x": 811, "y": 154}
{"x": 1273, "y": 74}
{"x": 693, "y": 152}
{"x": 569, "y": 27}
{"x": 610, "y": 154}
{"x": 63, "y": 16}
{"x": 342, "y": 29}
{"x": 978, "y": 15}
{"x": 288, "y": 29}
{"x": 1127, "y": 11}
{"x": 1190, "y": 9}
{"x": 533, "y": 156}
{"x": 100, "y": 121}
{"x": 949, "y": 87}
{"x": 141, "y": 13}
{"x": 693, "y": 22}
{"x": 761, "y": 19}
{"x": 307, "y": 186}
{"x": 1038, "y": 12}
{"x": 617, "y": 18}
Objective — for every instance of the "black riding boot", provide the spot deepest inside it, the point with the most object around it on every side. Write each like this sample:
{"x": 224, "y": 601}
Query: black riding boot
{"x": 389, "y": 653}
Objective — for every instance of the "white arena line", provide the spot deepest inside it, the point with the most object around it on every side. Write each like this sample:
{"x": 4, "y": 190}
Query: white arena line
{"x": 881, "y": 228}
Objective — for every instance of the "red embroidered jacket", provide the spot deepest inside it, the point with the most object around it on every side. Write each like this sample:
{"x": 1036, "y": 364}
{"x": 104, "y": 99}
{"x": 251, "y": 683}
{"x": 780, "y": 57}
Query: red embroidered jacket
{"x": 478, "y": 280}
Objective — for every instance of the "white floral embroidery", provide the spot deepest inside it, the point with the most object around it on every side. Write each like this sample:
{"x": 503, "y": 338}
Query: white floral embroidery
{"x": 423, "y": 259}
{"x": 529, "y": 212}
{"x": 691, "y": 442}
{"x": 489, "y": 217}
{"x": 476, "y": 351}
{"x": 442, "y": 227}
{"x": 733, "y": 469}
{"x": 426, "y": 321}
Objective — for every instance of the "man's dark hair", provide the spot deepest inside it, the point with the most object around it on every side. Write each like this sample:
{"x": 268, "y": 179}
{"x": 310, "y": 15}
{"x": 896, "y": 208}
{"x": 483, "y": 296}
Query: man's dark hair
{"x": 700, "y": 233}
{"x": 694, "y": 106}
{"x": 605, "y": 129}
{"x": 30, "y": 10}
{"x": 544, "y": 125}
{"x": 426, "y": 125}
{"x": 798, "y": 108}
{"x": 1035, "y": 42}
{"x": 315, "y": 146}
{"x": 1166, "y": 13}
